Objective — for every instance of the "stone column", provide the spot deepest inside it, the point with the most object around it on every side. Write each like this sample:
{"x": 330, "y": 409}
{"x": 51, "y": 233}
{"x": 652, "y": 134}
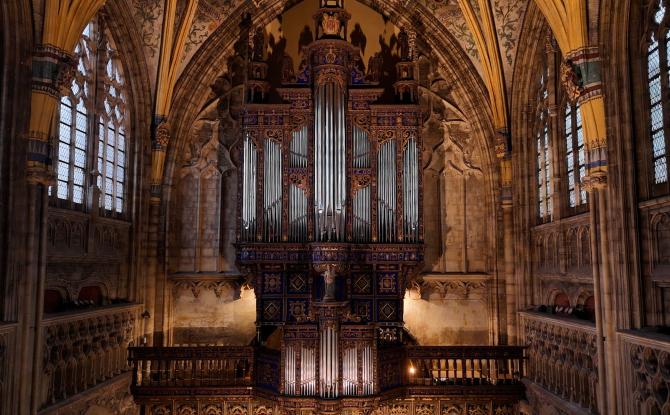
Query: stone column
{"x": 581, "y": 77}
{"x": 503, "y": 151}
{"x": 53, "y": 69}
{"x": 155, "y": 298}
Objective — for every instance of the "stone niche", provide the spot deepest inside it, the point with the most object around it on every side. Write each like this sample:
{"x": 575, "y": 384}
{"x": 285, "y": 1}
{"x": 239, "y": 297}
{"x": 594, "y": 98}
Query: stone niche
{"x": 443, "y": 310}
{"x": 212, "y": 311}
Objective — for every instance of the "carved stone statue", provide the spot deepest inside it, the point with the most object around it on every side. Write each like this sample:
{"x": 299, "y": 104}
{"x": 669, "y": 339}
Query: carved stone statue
{"x": 329, "y": 285}
{"x": 259, "y": 45}
{"x": 403, "y": 45}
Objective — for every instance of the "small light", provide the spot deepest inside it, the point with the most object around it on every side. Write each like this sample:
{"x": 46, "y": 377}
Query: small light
{"x": 412, "y": 370}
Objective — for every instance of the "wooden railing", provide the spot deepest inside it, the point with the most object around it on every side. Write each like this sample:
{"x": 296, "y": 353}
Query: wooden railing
{"x": 204, "y": 368}
{"x": 192, "y": 366}
{"x": 186, "y": 368}
{"x": 450, "y": 366}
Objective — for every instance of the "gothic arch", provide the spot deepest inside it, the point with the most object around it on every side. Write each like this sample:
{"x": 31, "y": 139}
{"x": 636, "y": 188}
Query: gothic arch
{"x": 129, "y": 43}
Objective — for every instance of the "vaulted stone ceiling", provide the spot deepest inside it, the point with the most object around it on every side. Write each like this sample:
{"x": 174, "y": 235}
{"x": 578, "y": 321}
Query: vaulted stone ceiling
{"x": 448, "y": 14}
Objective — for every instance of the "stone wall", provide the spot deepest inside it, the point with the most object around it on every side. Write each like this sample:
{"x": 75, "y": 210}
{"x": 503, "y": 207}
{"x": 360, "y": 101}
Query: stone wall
{"x": 212, "y": 311}
{"x": 450, "y": 310}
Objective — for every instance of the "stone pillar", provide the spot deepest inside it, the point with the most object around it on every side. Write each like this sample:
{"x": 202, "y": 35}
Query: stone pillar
{"x": 581, "y": 77}
{"x": 154, "y": 330}
{"x": 503, "y": 151}
{"x": 52, "y": 69}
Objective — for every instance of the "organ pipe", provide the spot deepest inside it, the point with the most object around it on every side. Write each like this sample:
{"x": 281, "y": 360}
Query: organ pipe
{"x": 308, "y": 372}
{"x": 411, "y": 192}
{"x": 249, "y": 189}
{"x": 368, "y": 371}
{"x": 362, "y": 215}
{"x": 386, "y": 191}
{"x": 361, "y": 148}
{"x": 298, "y": 148}
{"x": 349, "y": 372}
{"x": 361, "y": 200}
{"x": 297, "y": 197}
{"x": 290, "y": 370}
{"x": 329, "y": 162}
{"x": 329, "y": 365}
{"x": 272, "y": 190}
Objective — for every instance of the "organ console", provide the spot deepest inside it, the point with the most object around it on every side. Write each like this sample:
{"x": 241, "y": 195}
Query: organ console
{"x": 330, "y": 213}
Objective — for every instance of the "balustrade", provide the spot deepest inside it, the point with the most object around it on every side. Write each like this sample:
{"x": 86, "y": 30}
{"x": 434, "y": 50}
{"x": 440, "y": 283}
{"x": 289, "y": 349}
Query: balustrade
{"x": 464, "y": 365}
{"x": 181, "y": 368}
{"x": 84, "y": 349}
{"x": 645, "y": 383}
{"x": 7, "y": 336}
{"x": 192, "y": 366}
{"x": 562, "y": 357}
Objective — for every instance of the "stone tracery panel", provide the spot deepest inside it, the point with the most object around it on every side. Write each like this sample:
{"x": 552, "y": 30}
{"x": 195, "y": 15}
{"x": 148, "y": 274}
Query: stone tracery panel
{"x": 562, "y": 259}
{"x": 646, "y": 362}
{"x": 655, "y": 244}
{"x": 562, "y": 357}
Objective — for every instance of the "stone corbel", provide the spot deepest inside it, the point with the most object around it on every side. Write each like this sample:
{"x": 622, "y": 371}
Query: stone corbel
{"x": 53, "y": 70}
{"x": 158, "y": 151}
{"x": 582, "y": 79}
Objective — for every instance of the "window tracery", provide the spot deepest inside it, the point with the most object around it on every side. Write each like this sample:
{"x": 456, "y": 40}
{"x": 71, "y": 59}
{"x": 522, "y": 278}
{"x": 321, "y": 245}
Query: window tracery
{"x": 74, "y": 124}
{"x": 543, "y": 155}
{"x": 574, "y": 155}
{"x": 93, "y": 120}
{"x": 657, "y": 54}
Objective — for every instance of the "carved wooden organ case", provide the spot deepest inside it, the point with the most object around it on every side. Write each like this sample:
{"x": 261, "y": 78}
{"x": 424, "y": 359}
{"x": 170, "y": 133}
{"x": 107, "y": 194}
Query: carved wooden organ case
{"x": 330, "y": 214}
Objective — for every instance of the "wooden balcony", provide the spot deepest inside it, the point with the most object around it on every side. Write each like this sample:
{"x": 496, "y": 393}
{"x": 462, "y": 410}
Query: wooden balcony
{"x": 487, "y": 372}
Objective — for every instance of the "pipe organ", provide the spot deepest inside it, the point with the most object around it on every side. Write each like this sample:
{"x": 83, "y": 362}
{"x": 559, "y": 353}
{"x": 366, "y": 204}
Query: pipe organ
{"x": 330, "y": 208}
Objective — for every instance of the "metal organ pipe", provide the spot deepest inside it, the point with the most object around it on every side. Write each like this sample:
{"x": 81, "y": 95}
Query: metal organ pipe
{"x": 368, "y": 371}
{"x": 328, "y": 368}
{"x": 386, "y": 191}
{"x": 272, "y": 190}
{"x": 411, "y": 192}
{"x": 297, "y": 196}
{"x": 308, "y": 372}
{"x": 290, "y": 370}
{"x": 249, "y": 189}
{"x": 361, "y": 202}
{"x": 329, "y": 162}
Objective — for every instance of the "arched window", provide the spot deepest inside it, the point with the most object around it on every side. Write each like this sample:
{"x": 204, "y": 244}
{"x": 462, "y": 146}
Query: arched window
{"x": 543, "y": 155}
{"x": 73, "y": 134}
{"x": 657, "y": 64}
{"x": 93, "y": 121}
{"x": 574, "y": 155}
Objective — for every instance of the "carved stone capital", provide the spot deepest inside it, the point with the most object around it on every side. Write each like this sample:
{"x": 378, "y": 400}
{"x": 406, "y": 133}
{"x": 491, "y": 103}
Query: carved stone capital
{"x": 594, "y": 181}
{"x": 162, "y": 136}
{"x": 53, "y": 70}
{"x": 571, "y": 79}
{"x": 39, "y": 159}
